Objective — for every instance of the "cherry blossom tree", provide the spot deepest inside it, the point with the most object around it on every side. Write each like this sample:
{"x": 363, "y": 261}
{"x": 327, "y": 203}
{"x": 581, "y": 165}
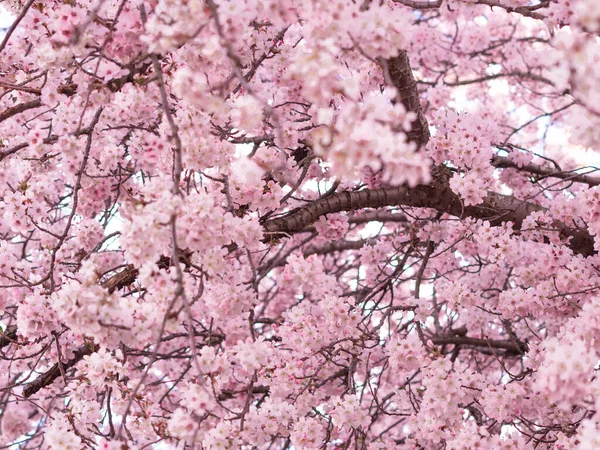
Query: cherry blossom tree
{"x": 270, "y": 224}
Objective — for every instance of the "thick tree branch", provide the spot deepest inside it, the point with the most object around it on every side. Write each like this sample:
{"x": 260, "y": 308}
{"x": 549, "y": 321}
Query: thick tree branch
{"x": 227, "y": 394}
{"x": 420, "y": 4}
{"x": 377, "y": 216}
{"x": 397, "y": 73}
{"x": 13, "y": 150}
{"x": 527, "y": 11}
{"x": 496, "y": 208}
{"x": 507, "y": 344}
{"x": 21, "y": 107}
{"x": 48, "y": 377}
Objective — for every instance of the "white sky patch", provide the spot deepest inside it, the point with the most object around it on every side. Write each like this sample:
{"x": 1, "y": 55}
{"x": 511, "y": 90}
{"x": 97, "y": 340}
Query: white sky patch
{"x": 557, "y": 137}
{"x": 6, "y": 19}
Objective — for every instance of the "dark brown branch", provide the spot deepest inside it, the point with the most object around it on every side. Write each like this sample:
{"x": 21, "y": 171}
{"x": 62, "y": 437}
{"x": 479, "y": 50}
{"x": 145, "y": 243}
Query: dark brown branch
{"x": 116, "y": 84}
{"x": 420, "y": 5}
{"x": 15, "y": 24}
{"x": 48, "y": 377}
{"x": 377, "y": 216}
{"x": 227, "y": 394}
{"x": 507, "y": 344}
{"x": 50, "y": 140}
{"x": 502, "y": 162}
{"x": 397, "y": 73}
{"x": 525, "y": 75}
{"x": 13, "y": 150}
{"x": 496, "y": 208}
{"x": 21, "y": 107}
{"x": 258, "y": 62}
{"x": 121, "y": 279}
{"x": 18, "y": 87}
{"x": 527, "y": 11}
{"x": 8, "y": 336}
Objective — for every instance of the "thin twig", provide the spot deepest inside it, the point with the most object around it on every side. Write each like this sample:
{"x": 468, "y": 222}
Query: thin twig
{"x": 15, "y": 24}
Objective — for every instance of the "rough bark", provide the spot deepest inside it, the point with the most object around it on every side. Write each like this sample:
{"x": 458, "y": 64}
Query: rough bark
{"x": 398, "y": 73}
{"x": 502, "y": 162}
{"x": 21, "y": 107}
{"x": 496, "y": 208}
{"x": 8, "y": 336}
{"x": 48, "y": 377}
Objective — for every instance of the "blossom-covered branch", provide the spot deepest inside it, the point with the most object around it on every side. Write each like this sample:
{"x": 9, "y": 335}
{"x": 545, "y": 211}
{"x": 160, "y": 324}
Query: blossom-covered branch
{"x": 496, "y": 209}
{"x": 291, "y": 225}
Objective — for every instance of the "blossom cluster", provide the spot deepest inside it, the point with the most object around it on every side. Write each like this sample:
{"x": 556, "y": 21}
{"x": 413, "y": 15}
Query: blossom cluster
{"x": 222, "y": 227}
